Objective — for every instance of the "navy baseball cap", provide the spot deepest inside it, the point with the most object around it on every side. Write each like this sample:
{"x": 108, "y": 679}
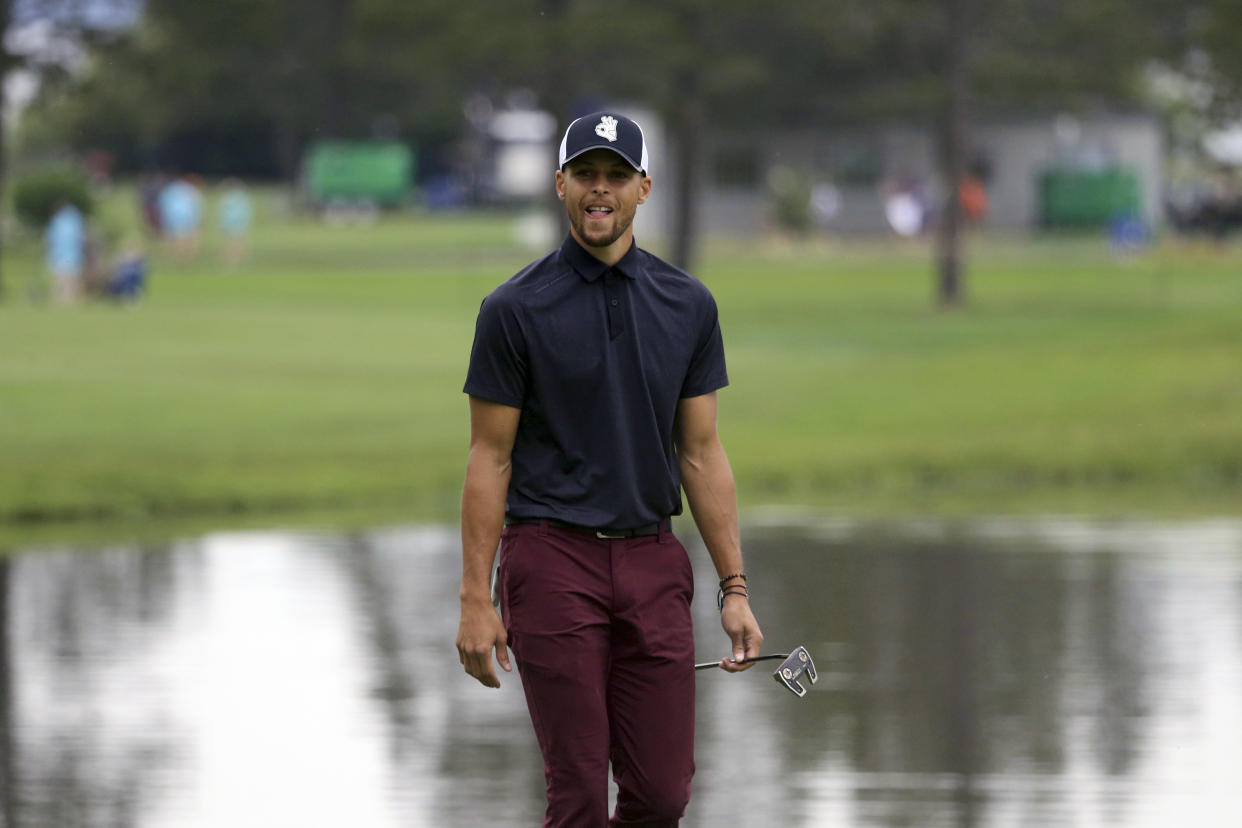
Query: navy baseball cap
{"x": 606, "y": 130}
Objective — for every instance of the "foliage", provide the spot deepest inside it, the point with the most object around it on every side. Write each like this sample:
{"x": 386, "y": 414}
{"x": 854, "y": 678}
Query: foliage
{"x": 38, "y": 194}
{"x": 238, "y": 86}
{"x": 1209, "y": 57}
{"x": 255, "y": 82}
{"x": 791, "y": 199}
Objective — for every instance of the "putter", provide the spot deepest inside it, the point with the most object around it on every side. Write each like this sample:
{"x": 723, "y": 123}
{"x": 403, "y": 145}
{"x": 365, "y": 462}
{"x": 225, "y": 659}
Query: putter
{"x": 795, "y": 665}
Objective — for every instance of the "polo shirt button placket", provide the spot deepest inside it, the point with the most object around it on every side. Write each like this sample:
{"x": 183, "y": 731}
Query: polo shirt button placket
{"x": 612, "y": 287}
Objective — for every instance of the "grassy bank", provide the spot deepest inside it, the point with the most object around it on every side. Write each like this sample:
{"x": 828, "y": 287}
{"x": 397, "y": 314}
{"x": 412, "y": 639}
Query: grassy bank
{"x": 324, "y": 375}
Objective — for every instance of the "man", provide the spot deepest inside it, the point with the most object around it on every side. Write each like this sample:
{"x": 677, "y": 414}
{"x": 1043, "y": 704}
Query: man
{"x": 592, "y": 386}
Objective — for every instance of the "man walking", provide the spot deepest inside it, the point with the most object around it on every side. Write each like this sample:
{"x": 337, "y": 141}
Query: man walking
{"x": 592, "y": 386}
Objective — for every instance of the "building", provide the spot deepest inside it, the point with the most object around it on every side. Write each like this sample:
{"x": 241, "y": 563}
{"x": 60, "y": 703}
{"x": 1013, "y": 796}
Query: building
{"x": 862, "y": 167}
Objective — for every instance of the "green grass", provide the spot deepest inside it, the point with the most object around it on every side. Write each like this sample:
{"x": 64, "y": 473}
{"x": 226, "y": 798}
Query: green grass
{"x": 1071, "y": 383}
{"x": 324, "y": 376}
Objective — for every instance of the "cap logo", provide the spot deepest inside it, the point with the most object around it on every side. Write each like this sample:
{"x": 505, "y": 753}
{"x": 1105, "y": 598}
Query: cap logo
{"x": 607, "y": 128}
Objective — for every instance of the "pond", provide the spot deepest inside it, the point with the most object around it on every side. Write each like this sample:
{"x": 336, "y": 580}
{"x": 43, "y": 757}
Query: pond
{"x": 982, "y": 673}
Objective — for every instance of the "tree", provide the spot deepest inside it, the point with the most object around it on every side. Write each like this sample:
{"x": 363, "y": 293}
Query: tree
{"x": 943, "y": 62}
{"x": 283, "y": 72}
{"x": 7, "y": 62}
{"x": 1210, "y": 37}
{"x": 64, "y": 29}
{"x": 705, "y": 64}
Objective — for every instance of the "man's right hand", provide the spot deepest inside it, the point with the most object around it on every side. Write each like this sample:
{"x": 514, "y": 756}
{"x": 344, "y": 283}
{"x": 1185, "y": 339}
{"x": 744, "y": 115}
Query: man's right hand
{"x": 479, "y": 633}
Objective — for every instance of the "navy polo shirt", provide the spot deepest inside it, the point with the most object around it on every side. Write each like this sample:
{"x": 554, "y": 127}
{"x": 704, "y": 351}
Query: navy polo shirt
{"x": 596, "y": 357}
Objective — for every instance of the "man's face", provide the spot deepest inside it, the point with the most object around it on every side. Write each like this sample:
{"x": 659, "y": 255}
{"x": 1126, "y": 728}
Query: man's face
{"x": 601, "y": 194}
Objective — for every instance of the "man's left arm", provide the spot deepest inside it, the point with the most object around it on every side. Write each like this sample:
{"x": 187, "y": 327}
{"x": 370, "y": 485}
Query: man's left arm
{"x": 708, "y": 481}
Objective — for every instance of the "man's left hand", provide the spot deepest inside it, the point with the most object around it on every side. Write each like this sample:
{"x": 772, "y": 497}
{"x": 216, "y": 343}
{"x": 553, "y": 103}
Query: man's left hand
{"x": 743, "y": 630}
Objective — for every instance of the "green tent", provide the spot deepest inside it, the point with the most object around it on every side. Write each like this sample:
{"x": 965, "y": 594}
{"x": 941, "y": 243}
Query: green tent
{"x": 1076, "y": 198}
{"x": 378, "y": 172}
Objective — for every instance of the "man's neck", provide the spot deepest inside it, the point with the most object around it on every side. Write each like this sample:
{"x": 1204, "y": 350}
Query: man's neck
{"x": 611, "y": 254}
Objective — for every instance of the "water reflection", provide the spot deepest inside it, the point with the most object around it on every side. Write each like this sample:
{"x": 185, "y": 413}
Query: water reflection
{"x": 1037, "y": 673}
{"x": 8, "y": 805}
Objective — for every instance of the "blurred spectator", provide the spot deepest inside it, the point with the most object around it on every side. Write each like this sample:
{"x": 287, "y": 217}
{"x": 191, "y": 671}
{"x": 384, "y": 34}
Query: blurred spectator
{"x": 974, "y": 199}
{"x": 1128, "y": 234}
{"x": 445, "y": 192}
{"x": 65, "y": 240}
{"x": 92, "y": 259}
{"x": 99, "y": 165}
{"x": 181, "y": 215}
{"x": 825, "y": 202}
{"x": 235, "y": 215}
{"x": 128, "y": 278}
{"x": 904, "y": 207}
{"x": 1216, "y": 212}
{"x": 149, "y": 188}
{"x": 123, "y": 281}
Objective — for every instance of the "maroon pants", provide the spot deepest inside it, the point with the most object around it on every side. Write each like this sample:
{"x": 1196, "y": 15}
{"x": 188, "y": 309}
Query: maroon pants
{"x": 601, "y": 632}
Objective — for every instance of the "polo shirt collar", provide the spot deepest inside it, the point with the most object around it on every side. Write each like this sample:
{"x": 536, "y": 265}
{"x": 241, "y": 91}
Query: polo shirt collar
{"x": 591, "y": 268}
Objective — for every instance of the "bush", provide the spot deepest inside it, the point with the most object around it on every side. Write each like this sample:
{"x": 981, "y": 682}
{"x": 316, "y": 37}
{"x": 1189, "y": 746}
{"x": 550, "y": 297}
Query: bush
{"x": 791, "y": 195}
{"x": 37, "y": 194}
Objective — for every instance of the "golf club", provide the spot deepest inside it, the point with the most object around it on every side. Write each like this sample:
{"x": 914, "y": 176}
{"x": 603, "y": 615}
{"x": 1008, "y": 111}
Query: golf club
{"x": 795, "y": 664}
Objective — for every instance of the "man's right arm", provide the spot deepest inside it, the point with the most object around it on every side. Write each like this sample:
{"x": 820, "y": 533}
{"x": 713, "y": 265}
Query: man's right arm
{"x": 493, "y": 427}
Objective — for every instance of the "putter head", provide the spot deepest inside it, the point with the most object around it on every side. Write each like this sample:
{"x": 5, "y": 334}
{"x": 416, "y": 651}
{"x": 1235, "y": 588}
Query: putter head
{"x": 798, "y": 663}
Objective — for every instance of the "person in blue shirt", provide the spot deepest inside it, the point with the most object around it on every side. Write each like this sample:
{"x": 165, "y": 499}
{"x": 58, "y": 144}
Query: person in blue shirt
{"x": 65, "y": 241}
{"x": 235, "y": 215}
{"x": 181, "y": 215}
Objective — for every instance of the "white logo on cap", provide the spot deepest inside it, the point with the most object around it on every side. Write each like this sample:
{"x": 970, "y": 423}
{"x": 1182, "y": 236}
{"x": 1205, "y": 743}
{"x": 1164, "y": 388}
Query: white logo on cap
{"x": 607, "y": 128}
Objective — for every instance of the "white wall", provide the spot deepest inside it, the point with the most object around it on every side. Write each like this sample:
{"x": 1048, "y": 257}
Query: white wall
{"x": 1017, "y": 152}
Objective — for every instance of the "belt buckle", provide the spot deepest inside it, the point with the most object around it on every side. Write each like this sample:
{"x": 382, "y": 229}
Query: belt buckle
{"x": 605, "y": 535}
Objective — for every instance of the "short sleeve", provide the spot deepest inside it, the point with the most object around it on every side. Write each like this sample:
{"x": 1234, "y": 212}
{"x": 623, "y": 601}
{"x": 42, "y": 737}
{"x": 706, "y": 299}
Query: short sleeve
{"x": 707, "y": 366}
{"x": 498, "y": 359}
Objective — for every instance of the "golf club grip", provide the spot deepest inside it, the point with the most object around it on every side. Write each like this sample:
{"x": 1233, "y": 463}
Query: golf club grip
{"x": 707, "y": 665}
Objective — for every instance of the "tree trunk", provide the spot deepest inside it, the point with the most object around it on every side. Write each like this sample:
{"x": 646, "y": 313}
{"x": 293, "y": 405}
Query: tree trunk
{"x": 6, "y": 63}
{"x": 950, "y": 290}
{"x": 333, "y": 119}
{"x": 288, "y": 149}
{"x": 556, "y": 97}
{"x": 687, "y": 129}
{"x": 4, "y": 172}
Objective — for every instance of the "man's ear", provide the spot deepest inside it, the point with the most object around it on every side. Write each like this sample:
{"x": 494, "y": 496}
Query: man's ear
{"x": 644, "y": 189}
{"x": 560, "y": 185}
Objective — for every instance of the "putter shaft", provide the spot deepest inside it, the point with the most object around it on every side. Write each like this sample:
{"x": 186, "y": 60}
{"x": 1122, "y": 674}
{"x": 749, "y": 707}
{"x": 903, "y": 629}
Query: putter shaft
{"x": 707, "y": 665}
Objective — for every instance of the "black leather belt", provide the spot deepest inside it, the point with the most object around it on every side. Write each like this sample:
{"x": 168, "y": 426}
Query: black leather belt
{"x": 604, "y": 533}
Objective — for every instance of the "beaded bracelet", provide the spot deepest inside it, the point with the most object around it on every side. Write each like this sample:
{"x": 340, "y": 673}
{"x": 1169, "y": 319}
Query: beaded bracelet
{"x": 726, "y": 578}
{"x": 733, "y": 589}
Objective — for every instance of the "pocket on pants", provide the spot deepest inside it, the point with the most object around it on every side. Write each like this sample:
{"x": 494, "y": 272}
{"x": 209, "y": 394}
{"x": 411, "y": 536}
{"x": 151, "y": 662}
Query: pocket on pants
{"x": 519, "y": 556}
